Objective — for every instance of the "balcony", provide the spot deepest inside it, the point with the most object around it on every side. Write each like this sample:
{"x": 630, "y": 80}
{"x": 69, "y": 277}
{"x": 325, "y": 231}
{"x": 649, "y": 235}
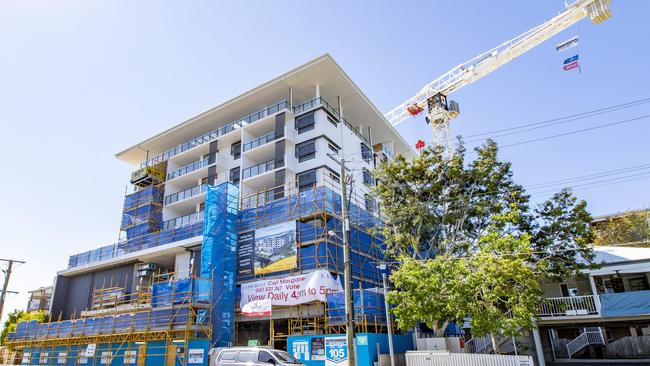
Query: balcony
{"x": 188, "y": 168}
{"x": 183, "y": 220}
{"x": 573, "y": 306}
{"x": 216, "y": 133}
{"x": 259, "y": 141}
{"x": 258, "y": 169}
{"x": 184, "y": 194}
{"x": 320, "y": 102}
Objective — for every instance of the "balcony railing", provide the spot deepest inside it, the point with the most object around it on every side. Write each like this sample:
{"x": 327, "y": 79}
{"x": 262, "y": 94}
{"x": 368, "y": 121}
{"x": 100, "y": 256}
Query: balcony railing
{"x": 569, "y": 306}
{"x": 320, "y": 102}
{"x": 188, "y": 168}
{"x": 187, "y": 193}
{"x": 216, "y": 133}
{"x": 258, "y": 169}
{"x": 259, "y": 141}
{"x": 183, "y": 220}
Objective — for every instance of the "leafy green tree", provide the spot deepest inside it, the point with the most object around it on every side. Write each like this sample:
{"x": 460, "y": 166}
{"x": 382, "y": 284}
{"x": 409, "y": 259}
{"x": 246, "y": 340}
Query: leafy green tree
{"x": 631, "y": 227}
{"x": 561, "y": 234}
{"x": 468, "y": 244}
{"x": 18, "y": 316}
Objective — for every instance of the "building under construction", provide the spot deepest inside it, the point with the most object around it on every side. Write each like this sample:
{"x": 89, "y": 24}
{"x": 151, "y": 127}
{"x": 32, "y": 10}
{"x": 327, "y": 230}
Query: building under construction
{"x": 240, "y": 203}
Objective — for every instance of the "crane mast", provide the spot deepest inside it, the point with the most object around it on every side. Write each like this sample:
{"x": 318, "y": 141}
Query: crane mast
{"x": 433, "y": 96}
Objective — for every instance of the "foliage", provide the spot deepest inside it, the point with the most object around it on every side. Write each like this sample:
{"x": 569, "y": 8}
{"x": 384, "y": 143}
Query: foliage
{"x": 562, "y": 234}
{"x": 18, "y": 316}
{"x": 468, "y": 244}
{"x": 631, "y": 227}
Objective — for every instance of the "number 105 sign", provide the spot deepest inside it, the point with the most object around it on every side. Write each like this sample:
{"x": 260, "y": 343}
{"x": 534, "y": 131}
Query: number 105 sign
{"x": 336, "y": 351}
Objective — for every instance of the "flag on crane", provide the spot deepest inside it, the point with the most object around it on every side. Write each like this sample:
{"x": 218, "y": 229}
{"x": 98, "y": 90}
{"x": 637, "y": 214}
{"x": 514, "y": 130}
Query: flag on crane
{"x": 567, "y": 44}
{"x": 571, "y": 63}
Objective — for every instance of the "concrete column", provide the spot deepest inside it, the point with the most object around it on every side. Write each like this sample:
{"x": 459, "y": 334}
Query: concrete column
{"x": 539, "y": 351}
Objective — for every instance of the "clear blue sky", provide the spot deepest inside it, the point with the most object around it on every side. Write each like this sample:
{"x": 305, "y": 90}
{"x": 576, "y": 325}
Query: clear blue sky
{"x": 81, "y": 80}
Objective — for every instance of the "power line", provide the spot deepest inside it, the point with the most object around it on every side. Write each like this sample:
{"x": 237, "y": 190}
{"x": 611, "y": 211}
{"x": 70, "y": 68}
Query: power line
{"x": 565, "y": 119}
{"x": 590, "y": 176}
{"x": 577, "y": 131}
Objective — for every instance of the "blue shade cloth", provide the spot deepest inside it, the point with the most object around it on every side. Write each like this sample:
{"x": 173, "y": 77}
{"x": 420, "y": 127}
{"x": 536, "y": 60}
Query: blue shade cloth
{"x": 219, "y": 258}
{"x": 625, "y": 304}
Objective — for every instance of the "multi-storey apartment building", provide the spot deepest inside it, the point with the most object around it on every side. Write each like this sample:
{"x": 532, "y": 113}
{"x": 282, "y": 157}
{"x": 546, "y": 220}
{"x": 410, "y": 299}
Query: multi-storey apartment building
{"x": 238, "y": 203}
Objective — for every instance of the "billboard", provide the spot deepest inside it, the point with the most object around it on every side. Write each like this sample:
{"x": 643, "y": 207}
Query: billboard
{"x": 268, "y": 249}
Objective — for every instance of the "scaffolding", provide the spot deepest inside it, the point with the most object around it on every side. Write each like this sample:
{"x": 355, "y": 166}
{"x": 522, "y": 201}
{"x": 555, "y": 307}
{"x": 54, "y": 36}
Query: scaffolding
{"x": 319, "y": 230}
{"x": 178, "y": 315}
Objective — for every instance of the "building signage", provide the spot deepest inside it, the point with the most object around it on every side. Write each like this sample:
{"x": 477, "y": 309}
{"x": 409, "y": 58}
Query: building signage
{"x": 300, "y": 350}
{"x": 130, "y": 357}
{"x": 293, "y": 290}
{"x": 44, "y": 356}
{"x": 268, "y": 249}
{"x": 195, "y": 355}
{"x": 62, "y": 357}
{"x": 90, "y": 349}
{"x": 106, "y": 358}
{"x": 27, "y": 357}
{"x": 336, "y": 351}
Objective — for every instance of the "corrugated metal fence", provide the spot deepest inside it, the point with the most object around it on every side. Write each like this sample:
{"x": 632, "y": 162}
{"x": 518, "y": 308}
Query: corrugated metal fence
{"x": 443, "y": 358}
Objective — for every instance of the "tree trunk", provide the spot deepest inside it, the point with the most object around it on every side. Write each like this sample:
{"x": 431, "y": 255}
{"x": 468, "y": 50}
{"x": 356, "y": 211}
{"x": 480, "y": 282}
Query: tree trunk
{"x": 495, "y": 344}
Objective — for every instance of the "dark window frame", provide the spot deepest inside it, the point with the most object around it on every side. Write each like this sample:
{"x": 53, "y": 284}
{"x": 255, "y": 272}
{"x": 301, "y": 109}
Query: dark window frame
{"x": 308, "y": 126}
{"x": 309, "y": 184}
{"x": 366, "y": 153}
{"x": 235, "y": 150}
{"x": 308, "y": 156}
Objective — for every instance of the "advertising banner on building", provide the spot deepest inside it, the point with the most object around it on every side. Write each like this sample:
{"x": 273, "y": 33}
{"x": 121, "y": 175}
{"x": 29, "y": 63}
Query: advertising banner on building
{"x": 293, "y": 290}
{"x": 336, "y": 351}
{"x": 268, "y": 249}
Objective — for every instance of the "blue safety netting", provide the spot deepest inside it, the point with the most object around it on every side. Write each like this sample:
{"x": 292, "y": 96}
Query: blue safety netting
{"x": 170, "y": 309}
{"x": 618, "y": 304}
{"x": 219, "y": 258}
{"x": 369, "y": 305}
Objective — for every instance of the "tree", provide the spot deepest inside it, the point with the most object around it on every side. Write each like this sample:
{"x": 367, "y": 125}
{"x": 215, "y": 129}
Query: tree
{"x": 468, "y": 244}
{"x": 18, "y": 316}
{"x": 562, "y": 234}
{"x": 631, "y": 227}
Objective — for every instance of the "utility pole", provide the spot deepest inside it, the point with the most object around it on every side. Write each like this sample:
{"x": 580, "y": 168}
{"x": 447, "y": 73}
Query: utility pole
{"x": 347, "y": 266}
{"x": 383, "y": 268}
{"x": 4, "y": 292}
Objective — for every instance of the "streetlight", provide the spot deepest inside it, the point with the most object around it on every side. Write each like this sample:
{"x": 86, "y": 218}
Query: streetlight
{"x": 383, "y": 268}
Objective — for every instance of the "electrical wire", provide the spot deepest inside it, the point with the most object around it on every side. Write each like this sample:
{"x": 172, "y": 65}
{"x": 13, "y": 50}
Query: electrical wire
{"x": 564, "y": 119}
{"x": 577, "y": 131}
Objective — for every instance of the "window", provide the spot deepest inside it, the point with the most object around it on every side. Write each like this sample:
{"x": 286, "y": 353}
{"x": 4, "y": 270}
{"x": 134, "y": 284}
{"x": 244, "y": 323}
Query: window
{"x": 335, "y": 177}
{"x": 202, "y": 207}
{"x": 332, "y": 121}
{"x": 234, "y": 175}
{"x": 371, "y": 206}
{"x": 265, "y": 357}
{"x": 366, "y": 154}
{"x": 306, "y": 151}
{"x": 305, "y": 123}
{"x": 227, "y": 356}
{"x": 367, "y": 178}
{"x": 235, "y": 150}
{"x": 306, "y": 180}
{"x": 204, "y": 180}
{"x": 333, "y": 148}
{"x": 246, "y": 356}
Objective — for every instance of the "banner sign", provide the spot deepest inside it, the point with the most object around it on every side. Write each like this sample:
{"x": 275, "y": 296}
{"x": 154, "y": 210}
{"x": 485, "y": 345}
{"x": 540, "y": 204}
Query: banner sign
{"x": 268, "y": 249}
{"x": 257, "y": 308}
{"x": 195, "y": 355}
{"x": 336, "y": 351}
{"x": 567, "y": 44}
{"x": 293, "y": 290}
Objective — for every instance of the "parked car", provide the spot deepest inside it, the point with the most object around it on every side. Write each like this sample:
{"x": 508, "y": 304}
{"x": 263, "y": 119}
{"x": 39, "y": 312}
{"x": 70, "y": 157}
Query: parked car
{"x": 253, "y": 356}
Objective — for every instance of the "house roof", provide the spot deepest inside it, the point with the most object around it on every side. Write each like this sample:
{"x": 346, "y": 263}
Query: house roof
{"x": 614, "y": 255}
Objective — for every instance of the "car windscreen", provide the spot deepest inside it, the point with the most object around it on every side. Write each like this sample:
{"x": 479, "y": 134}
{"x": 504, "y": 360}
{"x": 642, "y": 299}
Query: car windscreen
{"x": 282, "y": 356}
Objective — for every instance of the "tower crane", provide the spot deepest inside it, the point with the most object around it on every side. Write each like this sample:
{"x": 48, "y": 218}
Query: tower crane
{"x": 434, "y": 95}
